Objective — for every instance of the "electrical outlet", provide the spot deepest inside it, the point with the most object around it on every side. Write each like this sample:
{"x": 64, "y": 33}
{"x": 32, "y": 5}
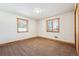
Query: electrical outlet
{"x": 55, "y": 36}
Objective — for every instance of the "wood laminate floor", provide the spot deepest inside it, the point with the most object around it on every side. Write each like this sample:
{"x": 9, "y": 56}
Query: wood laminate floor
{"x": 37, "y": 47}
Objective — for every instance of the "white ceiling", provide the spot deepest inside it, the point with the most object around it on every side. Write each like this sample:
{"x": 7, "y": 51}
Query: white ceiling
{"x": 27, "y": 9}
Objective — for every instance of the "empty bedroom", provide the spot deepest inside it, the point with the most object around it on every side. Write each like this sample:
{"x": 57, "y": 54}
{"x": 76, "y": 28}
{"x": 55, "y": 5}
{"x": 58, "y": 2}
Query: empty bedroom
{"x": 39, "y": 29}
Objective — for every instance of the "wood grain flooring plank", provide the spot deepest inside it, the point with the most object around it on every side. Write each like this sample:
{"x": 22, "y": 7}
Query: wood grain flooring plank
{"x": 37, "y": 47}
{"x": 0, "y": 51}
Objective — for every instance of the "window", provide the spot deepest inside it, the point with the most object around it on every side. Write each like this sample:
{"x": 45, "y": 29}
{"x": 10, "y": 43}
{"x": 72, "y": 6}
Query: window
{"x": 22, "y": 25}
{"x": 53, "y": 25}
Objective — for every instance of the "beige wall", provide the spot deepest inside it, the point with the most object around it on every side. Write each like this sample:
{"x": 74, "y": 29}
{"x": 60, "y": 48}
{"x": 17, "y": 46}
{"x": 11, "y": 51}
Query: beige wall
{"x": 66, "y": 28}
{"x": 8, "y": 28}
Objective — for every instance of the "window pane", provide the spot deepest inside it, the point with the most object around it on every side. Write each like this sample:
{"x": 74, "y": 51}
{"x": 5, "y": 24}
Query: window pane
{"x": 22, "y": 25}
{"x": 55, "y": 25}
{"x": 50, "y": 25}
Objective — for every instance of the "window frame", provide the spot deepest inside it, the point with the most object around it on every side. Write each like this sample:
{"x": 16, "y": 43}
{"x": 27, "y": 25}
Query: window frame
{"x": 58, "y": 30}
{"x": 18, "y": 25}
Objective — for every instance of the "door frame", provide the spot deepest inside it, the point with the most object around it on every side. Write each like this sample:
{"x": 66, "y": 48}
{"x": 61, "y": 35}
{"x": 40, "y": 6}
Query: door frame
{"x": 75, "y": 10}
